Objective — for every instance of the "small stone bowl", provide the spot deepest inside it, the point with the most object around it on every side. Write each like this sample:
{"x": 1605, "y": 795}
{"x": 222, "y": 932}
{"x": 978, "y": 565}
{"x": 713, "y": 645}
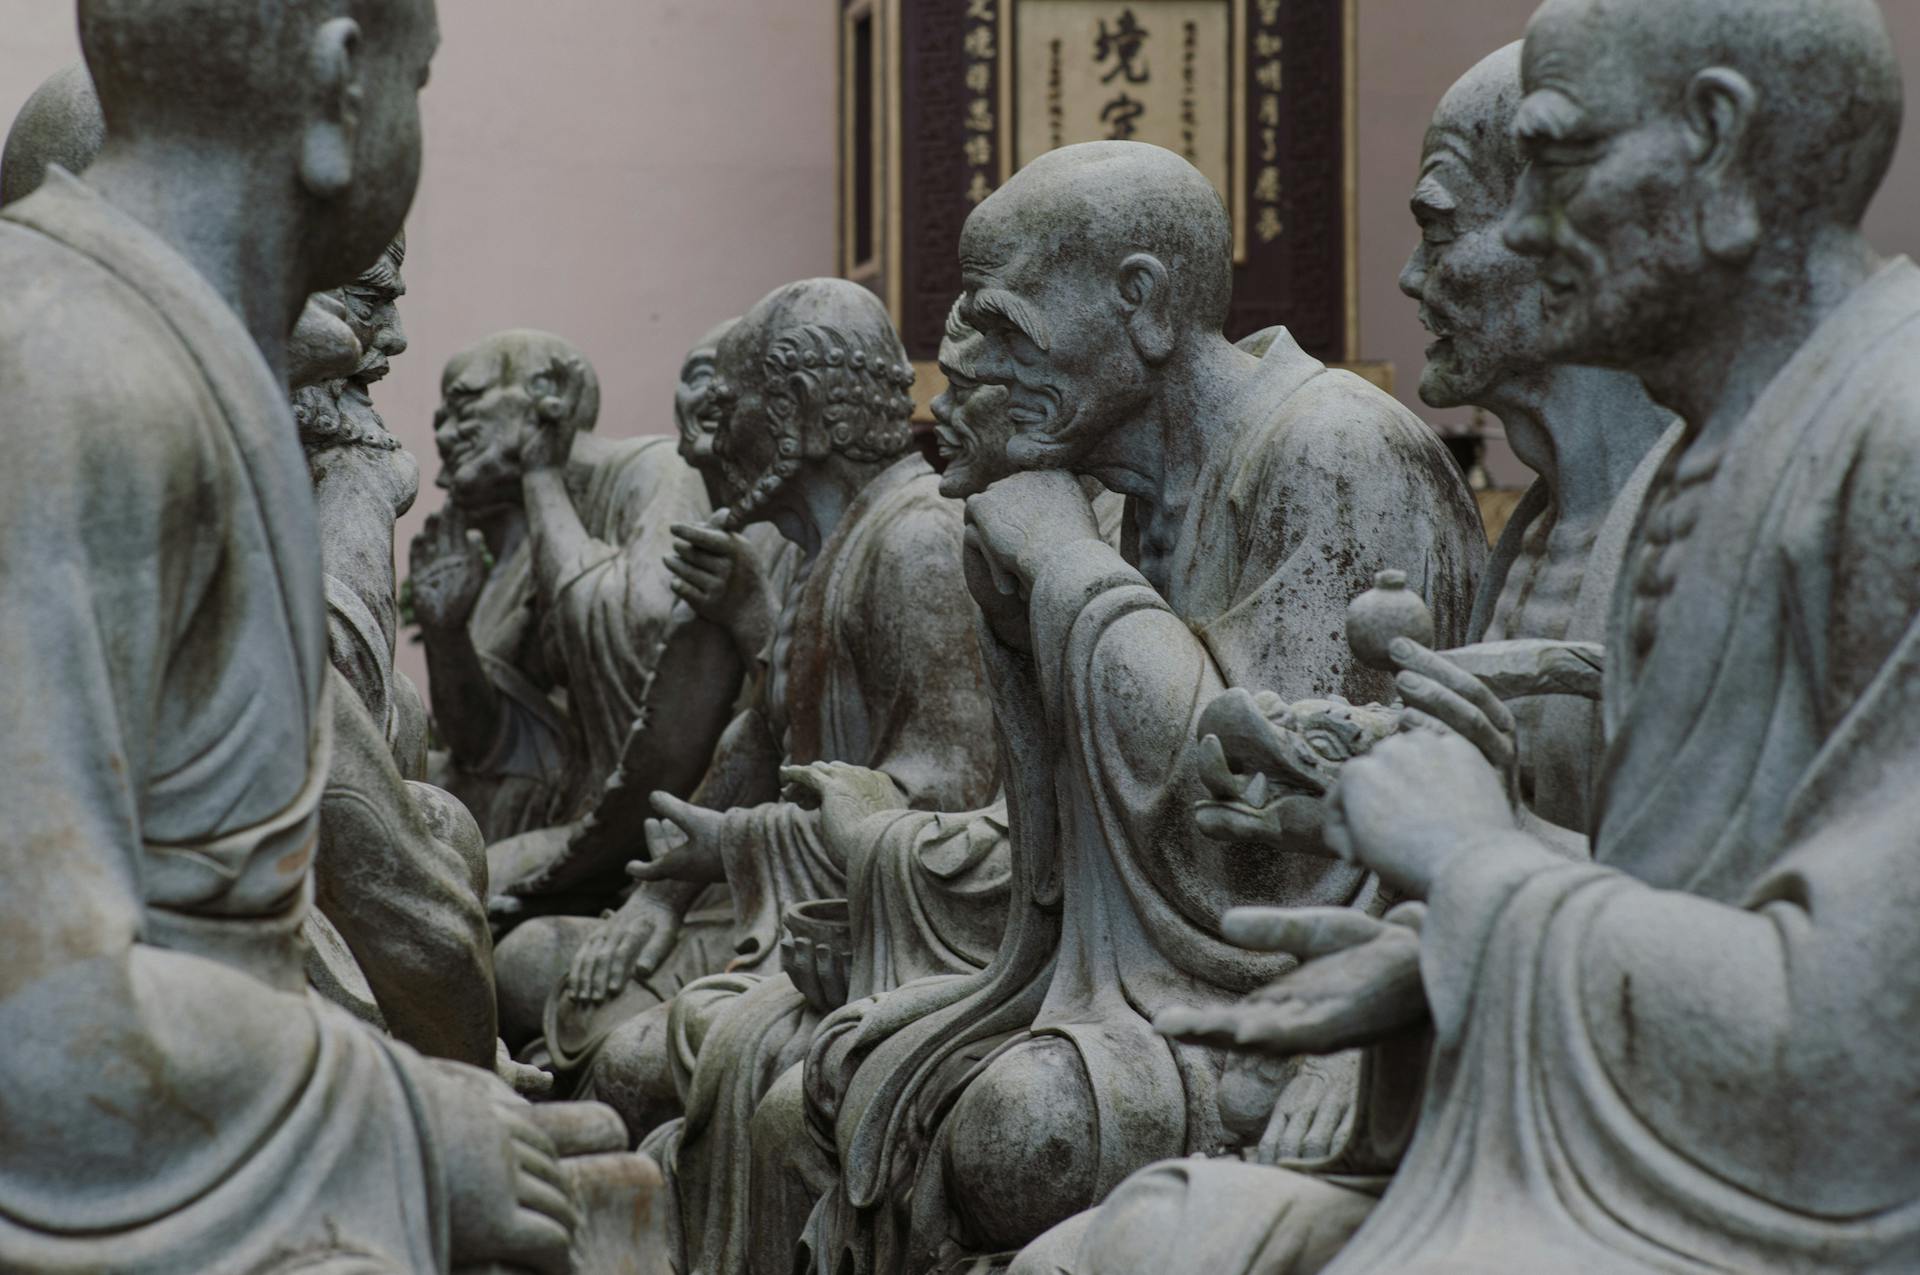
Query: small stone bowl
{"x": 816, "y": 950}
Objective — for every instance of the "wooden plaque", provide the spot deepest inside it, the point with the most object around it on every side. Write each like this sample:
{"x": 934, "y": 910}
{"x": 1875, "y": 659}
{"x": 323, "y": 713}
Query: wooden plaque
{"x": 941, "y": 100}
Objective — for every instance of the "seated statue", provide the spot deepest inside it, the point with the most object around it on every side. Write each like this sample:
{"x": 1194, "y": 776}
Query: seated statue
{"x": 873, "y": 663}
{"x": 927, "y": 893}
{"x": 546, "y": 607}
{"x": 1595, "y": 442}
{"x": 175, "y": 1099}
{"x": 1678, "y": 1057}
{"x": 1263, "y": 492}
{"x": 557, "y": 915}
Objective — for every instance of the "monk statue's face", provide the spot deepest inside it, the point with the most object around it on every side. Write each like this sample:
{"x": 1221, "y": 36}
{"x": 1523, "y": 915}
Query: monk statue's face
{"x": 1480, "y": 300}
{"x": 1609, "y": 204}
{"x": 373, "y": 309}
{"x": 483, "y": 416}
{"x": 1048, "y": 337}
{"x": 695, "y": 414}
{"x": 971, "y": 420}
{"x": 745, "y": 444}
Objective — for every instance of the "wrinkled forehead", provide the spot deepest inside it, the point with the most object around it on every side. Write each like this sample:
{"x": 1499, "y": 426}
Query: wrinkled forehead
{"x": 476, "y": 372}
{"x": 992, "y": 249}
{"x": 1586, "y": 59}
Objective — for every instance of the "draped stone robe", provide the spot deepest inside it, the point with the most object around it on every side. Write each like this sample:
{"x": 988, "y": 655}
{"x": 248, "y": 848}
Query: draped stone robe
{"x": 174, "y": 1100}
{"x": 1696, "y": 1054}
{"x": 1117, "y": 897}
{"x": 875, "y": 664}
{"x": 1229, "y": 1217}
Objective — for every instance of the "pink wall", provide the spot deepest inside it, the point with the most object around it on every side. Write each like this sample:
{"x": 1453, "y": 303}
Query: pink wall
{"x": 622, "y": 172}
{"x": 626, "y": 172}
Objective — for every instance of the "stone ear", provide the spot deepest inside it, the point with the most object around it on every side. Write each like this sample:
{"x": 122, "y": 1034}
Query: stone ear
{"x": 1720, "y": 106}
{"x": 1146, "y": 299}
{"x": 327, "y": 146}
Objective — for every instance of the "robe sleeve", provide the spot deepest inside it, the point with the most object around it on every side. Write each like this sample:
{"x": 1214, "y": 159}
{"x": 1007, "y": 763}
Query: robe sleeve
{"x": 612, "y": 615}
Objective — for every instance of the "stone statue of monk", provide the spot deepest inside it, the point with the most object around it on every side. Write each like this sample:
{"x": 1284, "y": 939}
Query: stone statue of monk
{"x": 543, "y": 662}
{"x": 970, "y": 1114}
{"x": 175, "y": 1099}
{"x": 926, "y": 895}
{"x": 1678, "y": 1057}
{"x": 1595, "y": 440}
{"x": 871, "y": 663}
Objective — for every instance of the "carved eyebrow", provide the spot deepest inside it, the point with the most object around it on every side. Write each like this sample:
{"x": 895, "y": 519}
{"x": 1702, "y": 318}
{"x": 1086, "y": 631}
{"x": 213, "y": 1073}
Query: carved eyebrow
{"x": 1549, "y": 116}
{"x": 1003, "y": 304}
{"x": 1432, "y": 198}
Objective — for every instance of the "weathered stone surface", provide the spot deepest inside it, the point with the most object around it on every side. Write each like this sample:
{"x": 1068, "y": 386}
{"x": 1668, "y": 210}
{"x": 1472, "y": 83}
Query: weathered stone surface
{"x": 1638, "y": 1061}
{"x": 1098, "y": 281}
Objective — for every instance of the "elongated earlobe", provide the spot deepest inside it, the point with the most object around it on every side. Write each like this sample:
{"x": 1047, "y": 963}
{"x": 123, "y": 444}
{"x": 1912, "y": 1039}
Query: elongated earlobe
{"x": 326, "y": 162}
{"x": 326, "y": 150}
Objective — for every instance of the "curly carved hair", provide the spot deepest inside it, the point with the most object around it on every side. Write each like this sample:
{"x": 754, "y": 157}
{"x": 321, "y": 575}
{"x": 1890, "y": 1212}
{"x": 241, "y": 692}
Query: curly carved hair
{"x": 861, "y": 385}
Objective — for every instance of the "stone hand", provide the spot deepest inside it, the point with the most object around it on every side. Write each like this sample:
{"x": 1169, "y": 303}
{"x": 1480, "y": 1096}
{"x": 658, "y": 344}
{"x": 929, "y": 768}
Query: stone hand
{"x": 527, "y": 1081}
{"x": 1358, "y": 983}
{"x": 848, "y": 795}
{"x": 1415, "y": 802}
{"x": 1020, "y": 519}
{"x": 720, "y": 576}
{"x": 1439, "y": 692}
{"x": 515, "y": 1209}
{"x": 546, "y": 442}
{"x": 627, "y": 944}
{"x": 683, "y": 844}
{"x": 1313, "y": 1115}
{"x": 448, "y": 567}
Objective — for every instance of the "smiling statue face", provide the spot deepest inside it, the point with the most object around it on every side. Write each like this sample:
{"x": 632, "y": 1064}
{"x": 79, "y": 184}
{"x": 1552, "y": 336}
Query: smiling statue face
{"x": 695, "y": 414}
{"x": 1607, "y": 204}
{"x": 483, "y": 415}
{"x": 1481, "y": 300}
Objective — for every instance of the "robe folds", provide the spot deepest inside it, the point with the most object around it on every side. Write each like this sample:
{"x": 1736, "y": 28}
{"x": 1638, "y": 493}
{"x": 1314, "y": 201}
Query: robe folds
{"x": 1677, "y": 1059}
{"x": 573, "y": 659}
{"x": 174, "y": 1100}
{"x": 1117, "y": 898}
{"x": 875, "y": 664}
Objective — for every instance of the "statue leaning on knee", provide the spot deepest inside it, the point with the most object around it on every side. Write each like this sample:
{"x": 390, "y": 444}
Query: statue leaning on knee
{"x": 175, "y": 1099}
{"x": 1677, "y": 1057}
{"x": 970, "y": 1114}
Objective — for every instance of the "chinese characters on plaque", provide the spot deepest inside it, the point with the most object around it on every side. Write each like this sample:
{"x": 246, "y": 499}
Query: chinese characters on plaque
{"x": 982, "y": 54}
{"x": 1157, "y": 71}
{"x": 1267, "y": 83}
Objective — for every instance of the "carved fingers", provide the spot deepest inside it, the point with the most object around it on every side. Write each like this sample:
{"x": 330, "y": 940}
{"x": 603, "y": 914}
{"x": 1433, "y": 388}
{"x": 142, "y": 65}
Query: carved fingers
{"x": 1311, "y": 1117}
{"x": 448, "y": 569}
{"x": 540, "y": 1234}
{"x": 1308, "y": 933}
{"x": 1439, "y": 692}
{"x": 684, "y": 844}
{"x": 1406, "y": 809}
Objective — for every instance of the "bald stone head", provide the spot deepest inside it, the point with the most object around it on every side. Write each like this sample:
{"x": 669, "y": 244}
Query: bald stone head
{"x": 812, "y": 375}
{"x": 1479, "y": 299}
{"x": 323, "y": 92}
{"x": 1680, "y": 148}
{"x": 60, "y": 124}
{"x": 1088, "y": 275}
